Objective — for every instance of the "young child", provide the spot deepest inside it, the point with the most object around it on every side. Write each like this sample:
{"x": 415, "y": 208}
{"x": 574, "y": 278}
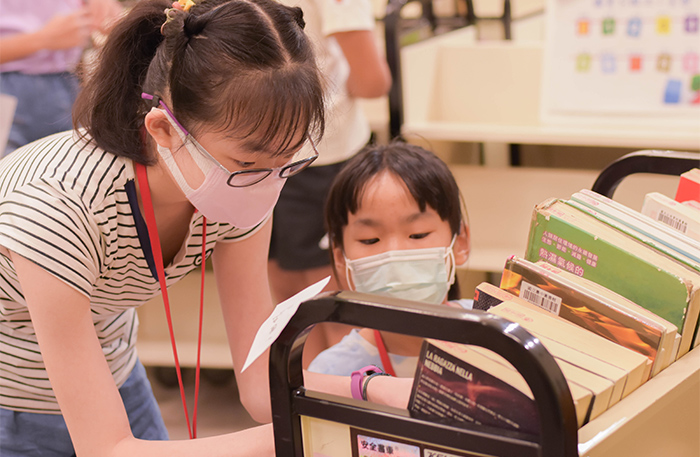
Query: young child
{"x": 396, "y": 227}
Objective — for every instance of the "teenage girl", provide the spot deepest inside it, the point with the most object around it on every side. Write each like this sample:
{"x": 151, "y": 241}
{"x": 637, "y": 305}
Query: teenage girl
{"x": 190, "y": 124}
{"x": 396, "y": 226}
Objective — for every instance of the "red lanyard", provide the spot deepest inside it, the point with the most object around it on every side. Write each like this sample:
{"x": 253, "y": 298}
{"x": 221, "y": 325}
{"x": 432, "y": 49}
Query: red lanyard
{"x": 383, "y": 354}
{"x": 150, "y": 217}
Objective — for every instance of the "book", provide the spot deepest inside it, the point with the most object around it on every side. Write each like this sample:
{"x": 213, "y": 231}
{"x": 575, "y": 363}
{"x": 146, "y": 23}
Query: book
{"x": 639, "y": 225}
{"x": 688, "y": 186}
{"x": 592, "y": 307}
{"x": 579, "y": 243}
{"x": 692, "y": 204}
{"x": 592, "y": 393}
{"x": 448, "y": 389}
{"x": 683, "y": 218}
{"x": 578, "y": 346}
{"x": 487, "y": 295}
{"x": 458, "y": 384}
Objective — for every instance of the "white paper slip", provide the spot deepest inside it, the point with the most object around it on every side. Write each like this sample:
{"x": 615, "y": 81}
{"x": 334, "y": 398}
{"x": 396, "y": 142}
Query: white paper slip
{"x": 273, "y": 325}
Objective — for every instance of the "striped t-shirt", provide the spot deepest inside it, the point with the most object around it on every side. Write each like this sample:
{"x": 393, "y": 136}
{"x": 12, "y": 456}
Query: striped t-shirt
{"x": 72, "y": 208}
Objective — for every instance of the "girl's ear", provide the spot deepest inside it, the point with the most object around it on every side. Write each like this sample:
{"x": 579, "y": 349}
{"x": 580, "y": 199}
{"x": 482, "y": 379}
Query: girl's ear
{"x": 339, "y": 261}
{"x": 159, "y": 127}
{"x": 462, "y": 245}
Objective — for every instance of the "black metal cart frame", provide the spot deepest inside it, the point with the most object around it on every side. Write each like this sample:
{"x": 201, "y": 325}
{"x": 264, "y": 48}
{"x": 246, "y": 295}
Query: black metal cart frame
{"x": 558, "y": 425}
{"x": 290, "y": 400}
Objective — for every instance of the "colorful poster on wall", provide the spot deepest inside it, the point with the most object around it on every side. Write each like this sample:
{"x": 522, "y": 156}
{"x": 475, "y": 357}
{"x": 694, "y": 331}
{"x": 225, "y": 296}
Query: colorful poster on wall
{"x": 622, "y": 58}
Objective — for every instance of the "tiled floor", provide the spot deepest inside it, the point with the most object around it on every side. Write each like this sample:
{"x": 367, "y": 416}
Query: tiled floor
{"x": 219, "y": 410}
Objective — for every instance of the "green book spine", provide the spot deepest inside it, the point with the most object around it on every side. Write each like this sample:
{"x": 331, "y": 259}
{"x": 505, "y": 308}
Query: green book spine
{"x": 573, "y": 249}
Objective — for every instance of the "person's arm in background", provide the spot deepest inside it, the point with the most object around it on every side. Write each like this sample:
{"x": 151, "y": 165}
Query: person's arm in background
{"x": 369, "y": 73}
{"x": 103, "y": 14}
{"x": 61, "y": 32}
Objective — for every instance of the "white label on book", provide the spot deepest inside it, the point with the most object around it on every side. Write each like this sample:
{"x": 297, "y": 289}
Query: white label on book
{"x": 540, "y": 297}
{"x": 672, "y": 220}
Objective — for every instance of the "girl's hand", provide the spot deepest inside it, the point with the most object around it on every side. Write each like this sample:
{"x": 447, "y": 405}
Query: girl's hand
{"x": 66, "y": 31}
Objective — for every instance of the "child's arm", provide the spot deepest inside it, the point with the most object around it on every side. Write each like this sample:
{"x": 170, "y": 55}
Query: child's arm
{"x": 385, "y": 390}
{"x": 83, "y": 384}
{"x": 240, "y": 268}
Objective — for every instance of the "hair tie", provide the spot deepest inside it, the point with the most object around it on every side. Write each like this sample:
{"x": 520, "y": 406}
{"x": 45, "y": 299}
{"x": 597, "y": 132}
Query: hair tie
{"x": 180, "y": 5}
{"x": 186, "y": 4}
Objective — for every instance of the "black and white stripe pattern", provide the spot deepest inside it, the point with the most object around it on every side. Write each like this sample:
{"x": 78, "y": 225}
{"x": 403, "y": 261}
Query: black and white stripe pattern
{"x": 64, "y": 204}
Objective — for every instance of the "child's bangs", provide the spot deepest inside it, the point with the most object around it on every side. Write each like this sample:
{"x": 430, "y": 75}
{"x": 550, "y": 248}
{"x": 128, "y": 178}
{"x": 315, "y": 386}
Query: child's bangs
{"x": 274, "y": 116}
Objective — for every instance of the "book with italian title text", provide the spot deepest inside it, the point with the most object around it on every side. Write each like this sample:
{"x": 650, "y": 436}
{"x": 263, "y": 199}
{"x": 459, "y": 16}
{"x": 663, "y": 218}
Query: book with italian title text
{"x": 575, "y": 241}
{"x": 457, "y": 386}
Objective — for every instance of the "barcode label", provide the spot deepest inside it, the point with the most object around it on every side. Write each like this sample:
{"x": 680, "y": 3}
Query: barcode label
{"x": 675, "y": 222}
{"x": 539, "y": 297}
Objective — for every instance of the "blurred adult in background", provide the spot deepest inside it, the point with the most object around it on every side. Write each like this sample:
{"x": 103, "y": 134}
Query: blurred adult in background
{"x": 342, "y": 32}
{"x": 41, "y": 44}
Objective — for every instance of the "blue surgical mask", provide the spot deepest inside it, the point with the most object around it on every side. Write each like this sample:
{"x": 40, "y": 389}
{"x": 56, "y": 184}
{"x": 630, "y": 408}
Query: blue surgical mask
{"x": 423, "y": 275}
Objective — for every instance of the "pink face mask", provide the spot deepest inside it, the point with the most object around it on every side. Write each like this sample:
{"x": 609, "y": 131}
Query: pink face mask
{"x": 242, "y": 205}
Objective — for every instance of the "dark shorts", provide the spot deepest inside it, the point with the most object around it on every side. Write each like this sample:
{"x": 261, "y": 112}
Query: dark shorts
{"x": 46, "y": 435}
{"x": 298, "y": 222}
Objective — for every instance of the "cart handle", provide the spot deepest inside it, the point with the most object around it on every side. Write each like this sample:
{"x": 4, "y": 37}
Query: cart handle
{"x": 647, "y": 161}
{"x": 558, "y": 425}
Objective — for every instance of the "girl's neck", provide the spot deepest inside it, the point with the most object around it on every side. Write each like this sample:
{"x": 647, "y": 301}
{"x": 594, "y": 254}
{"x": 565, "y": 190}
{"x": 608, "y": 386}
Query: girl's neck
{"x": 172, "y": 210}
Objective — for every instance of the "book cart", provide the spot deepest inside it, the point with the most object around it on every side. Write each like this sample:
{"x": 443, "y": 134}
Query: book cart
{"x": 661, "y": 417}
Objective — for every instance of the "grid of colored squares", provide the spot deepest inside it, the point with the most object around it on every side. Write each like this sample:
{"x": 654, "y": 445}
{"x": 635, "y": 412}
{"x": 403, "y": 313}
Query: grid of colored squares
{"x": 633, "y": 27}
{"x": 663, "y": 62}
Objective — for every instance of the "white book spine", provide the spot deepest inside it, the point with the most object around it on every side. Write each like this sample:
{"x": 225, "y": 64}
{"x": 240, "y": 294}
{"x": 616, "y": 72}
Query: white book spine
{"x": 676, "y": 215}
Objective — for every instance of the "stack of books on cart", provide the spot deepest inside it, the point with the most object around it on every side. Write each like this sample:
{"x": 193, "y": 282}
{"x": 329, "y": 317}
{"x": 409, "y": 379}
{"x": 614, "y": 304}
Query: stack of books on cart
{"x": 613, "y": 294}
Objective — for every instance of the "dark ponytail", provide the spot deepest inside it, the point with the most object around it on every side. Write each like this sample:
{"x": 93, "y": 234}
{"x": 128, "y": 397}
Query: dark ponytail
{"x": 109, "y": 106}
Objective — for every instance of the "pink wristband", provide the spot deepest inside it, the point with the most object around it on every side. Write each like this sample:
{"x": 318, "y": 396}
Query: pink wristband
{"x": 357, "y": 377}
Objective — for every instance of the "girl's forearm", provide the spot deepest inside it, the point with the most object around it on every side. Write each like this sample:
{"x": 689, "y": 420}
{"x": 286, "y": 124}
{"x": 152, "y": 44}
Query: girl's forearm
{"x": 385, "y": 390}
{"x": 252, "y": 442}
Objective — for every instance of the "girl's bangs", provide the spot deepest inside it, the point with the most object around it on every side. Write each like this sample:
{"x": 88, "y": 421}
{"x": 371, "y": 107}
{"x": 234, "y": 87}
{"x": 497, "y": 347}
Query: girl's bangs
{"x": 272, "y": 117}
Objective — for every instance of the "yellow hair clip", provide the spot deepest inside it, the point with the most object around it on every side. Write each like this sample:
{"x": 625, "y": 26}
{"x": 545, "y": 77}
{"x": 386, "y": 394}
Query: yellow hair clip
{"x": 186, "y": 4}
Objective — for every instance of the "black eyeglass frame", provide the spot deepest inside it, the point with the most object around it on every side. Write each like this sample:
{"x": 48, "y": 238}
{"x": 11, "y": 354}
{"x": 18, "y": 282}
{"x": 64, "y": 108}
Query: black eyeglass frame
{"x": 157, "y": 102}
{"x": 296, "y": 167}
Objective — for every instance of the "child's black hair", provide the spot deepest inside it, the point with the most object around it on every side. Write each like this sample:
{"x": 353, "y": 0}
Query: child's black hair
{"x": 242, "y": 67}
{"x": 426, "y": 177}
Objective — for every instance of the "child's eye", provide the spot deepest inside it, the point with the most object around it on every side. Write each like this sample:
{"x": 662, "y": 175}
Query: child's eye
{"x": 369, "y": 241}
{"x": 242, "y": 164}
{"x": 418, "y": 236}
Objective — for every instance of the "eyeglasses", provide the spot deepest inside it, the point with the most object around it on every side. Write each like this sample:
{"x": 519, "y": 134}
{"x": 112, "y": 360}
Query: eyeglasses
{"x": 245, "y": 178}
{"x": 242, "y": 178}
